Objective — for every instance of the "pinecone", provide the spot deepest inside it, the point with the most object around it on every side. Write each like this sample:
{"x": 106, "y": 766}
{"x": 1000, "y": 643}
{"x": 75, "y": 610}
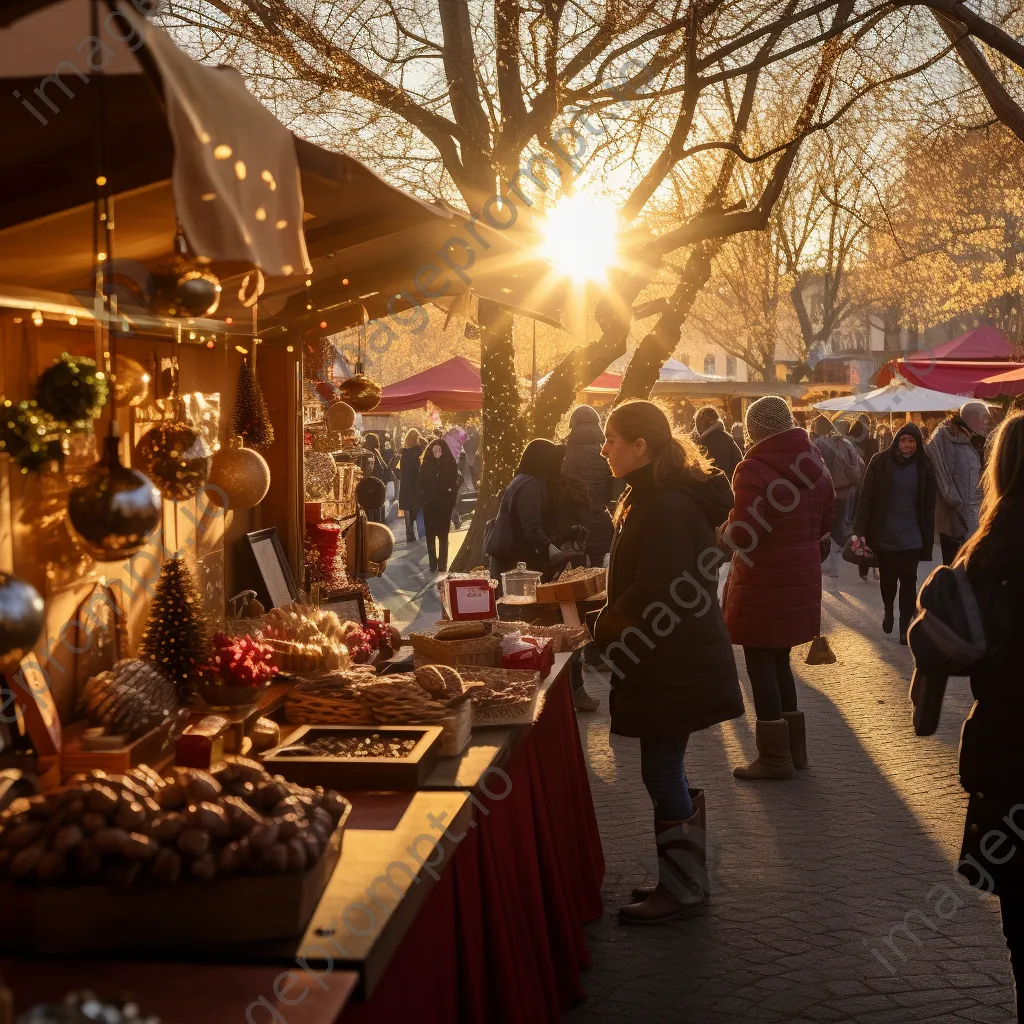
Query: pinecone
{"x": 129, "y": 699}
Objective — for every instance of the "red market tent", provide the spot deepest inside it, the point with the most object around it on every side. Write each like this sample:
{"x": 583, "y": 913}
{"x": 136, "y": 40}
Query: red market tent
{"x": 453, "y": 386}
{"x": 951, "y": 377}
{"x": 1009, "y": 383}
{"x": 980, "y": 344}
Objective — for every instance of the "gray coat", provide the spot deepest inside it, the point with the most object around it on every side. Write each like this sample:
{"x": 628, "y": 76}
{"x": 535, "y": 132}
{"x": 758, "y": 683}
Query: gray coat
{"x": 957, "y": 480}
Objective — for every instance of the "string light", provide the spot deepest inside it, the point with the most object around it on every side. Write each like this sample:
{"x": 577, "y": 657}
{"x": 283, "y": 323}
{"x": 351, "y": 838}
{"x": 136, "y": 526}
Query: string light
{"x": 229, "y": 320}
{"x": 37, "y": 318}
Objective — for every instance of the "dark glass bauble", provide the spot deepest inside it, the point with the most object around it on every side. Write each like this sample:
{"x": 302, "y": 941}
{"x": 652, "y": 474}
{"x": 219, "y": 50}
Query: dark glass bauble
{"x": 21, "y": 616}
{"x": 186, "y": 289}
{"x": 175, "y": 458}
{"x": 114, "y": 509}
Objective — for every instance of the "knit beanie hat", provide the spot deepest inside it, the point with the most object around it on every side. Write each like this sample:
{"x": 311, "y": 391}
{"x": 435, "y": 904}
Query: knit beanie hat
{"x": 584, "y": 414}
{"x": 768, "y": 416}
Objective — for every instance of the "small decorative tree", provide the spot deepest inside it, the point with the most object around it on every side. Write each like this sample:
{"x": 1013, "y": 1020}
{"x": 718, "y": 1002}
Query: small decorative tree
{"x": 177, "y": 633}
{"x": 252, "y": 419}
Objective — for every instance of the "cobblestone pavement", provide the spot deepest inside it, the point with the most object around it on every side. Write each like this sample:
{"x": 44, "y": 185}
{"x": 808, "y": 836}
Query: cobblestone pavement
{"x": 809, "y": 876}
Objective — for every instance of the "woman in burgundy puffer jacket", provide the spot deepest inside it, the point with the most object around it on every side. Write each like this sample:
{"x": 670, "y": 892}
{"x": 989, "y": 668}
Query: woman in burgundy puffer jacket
{"x": 784, "y": 507}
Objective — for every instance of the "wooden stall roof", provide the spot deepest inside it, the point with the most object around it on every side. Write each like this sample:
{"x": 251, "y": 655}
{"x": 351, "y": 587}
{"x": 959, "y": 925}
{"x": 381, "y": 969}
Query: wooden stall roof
{"x": 358, "y": 228}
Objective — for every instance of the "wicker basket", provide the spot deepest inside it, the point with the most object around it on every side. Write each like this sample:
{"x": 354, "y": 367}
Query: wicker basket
{"x": 483, "y": 651}
{"x": 500, "y": 678}
{"x": 566, "y": 638}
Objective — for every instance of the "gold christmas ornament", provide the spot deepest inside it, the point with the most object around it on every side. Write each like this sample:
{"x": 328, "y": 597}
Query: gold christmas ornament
{"x": 239, "y": 477}
{"x": 379, "y": 540}
{"x": 132, "y": 384}
{"x": 176, "y": 458}
{"x": 340, "y": 417}
{"x": 319, "y": 473}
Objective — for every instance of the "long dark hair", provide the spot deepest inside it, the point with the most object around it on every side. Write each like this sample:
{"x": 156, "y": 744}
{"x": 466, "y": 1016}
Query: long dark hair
{"x": 673, "y": 456}
{"x": 1002, "y": 504}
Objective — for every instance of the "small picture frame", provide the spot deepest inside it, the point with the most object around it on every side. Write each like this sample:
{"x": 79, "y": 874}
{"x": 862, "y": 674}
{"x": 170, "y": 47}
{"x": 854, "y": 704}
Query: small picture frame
{"x": 272, "y": 577}
{"x": 348, "y": 605}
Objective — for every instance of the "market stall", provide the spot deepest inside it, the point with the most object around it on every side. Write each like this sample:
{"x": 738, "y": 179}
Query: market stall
{"x": 207, "y": 768}
{"x": 1010, "y": 383}
{"x": 896, "y": 397}
{"x": 452, "y": 386}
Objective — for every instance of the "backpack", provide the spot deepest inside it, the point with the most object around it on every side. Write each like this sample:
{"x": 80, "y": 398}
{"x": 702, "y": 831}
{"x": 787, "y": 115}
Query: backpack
{"x": 499, "y": 533}
{"x": 947, "y": 636}
{"x": 848, "y": 468}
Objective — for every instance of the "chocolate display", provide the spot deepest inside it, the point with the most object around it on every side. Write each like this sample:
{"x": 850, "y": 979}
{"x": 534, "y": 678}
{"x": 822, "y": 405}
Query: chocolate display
{"x": 144, "y": 829}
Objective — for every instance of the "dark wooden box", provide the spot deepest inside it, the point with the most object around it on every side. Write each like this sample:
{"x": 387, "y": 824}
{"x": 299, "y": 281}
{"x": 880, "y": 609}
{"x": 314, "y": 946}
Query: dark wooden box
{"x": 171, "y": 919}
{"x": 354, "y": 774}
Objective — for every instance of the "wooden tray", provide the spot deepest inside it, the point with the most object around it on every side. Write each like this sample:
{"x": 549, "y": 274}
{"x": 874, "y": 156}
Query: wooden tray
{"x": 153, "y": 748}
{"x": 169, "y": 919}
{"x": 572, "y": 590}
{"x": 359, "y": 773}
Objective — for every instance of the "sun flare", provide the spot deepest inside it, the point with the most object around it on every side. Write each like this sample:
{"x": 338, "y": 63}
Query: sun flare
{"x": 581, "y": 238}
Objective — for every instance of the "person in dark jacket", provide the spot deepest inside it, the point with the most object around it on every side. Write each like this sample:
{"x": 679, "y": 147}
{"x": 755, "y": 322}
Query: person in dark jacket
{"x": 991, "y": 752}
{"x": 712, "y": 436}
{"x": 410, "y": 499}
{"x": 379, "y": 470}
{"x": 439, "y": 487}
{"x": 783, "y": 512}
{"x": 583, "y": 459}
{"x": 531, "y": 503}
{"x": 736, "y": 430}
{"x": 661, "y": 634}
{"x": 896, "y": 518}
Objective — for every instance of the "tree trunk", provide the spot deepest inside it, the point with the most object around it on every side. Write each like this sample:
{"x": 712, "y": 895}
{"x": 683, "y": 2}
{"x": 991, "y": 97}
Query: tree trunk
{"x": 644, "y": 368}
{"x": 503, "y": 436}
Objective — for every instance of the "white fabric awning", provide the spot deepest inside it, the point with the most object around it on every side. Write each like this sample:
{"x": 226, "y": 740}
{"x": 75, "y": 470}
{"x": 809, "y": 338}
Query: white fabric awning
{"x": 895, "y": 397}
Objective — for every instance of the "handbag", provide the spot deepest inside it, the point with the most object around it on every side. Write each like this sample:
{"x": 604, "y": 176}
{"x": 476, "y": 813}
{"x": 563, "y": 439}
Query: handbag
{"x": 926, "y": 694}
{"x": 857, "y": 552}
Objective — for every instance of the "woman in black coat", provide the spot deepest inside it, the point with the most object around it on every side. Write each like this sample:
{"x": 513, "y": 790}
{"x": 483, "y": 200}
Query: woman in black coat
{"x": 662, "y": 635}
{"x": 410, "y": 498}
{"x": 991, "y": 750}
{"x": 583, "y": 459}
{"x": 439, "y": 489}
{"x": 896, "y": 517}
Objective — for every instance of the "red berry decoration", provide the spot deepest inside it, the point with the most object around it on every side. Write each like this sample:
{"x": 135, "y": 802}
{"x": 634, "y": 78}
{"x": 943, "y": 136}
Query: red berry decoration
{"x": 240, "y": 661}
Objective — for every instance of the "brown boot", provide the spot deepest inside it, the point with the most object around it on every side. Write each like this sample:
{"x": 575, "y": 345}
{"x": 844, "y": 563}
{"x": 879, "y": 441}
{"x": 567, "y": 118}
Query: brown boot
{"x": 700, "y": 838}
{"x": 797, "y": 737}
{"x": 680, "y": 891}
{"x": 773, "y": 760}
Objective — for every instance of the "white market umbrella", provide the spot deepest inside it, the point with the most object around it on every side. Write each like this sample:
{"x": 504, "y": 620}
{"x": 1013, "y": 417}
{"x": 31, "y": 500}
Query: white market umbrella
{"x": 897, "y": 396}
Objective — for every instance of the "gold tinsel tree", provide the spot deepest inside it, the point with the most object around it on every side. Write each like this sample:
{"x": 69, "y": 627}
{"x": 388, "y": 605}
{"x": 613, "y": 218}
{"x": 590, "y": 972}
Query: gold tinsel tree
{"x": 177, "y": 633}
{"x": 252, "y": 419}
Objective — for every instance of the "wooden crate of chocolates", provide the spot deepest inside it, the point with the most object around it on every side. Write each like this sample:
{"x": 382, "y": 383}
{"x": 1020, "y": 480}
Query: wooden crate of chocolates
{"x": 396, "y": 757}
{"x": 572, "y": 585}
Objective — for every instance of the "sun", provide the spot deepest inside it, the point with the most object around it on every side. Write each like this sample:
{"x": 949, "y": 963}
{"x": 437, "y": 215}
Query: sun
{"x": 581, "y": 238}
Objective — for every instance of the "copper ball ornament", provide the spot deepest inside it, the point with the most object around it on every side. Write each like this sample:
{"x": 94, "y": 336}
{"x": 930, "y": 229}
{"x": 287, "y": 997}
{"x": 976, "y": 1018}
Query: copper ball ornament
{"x": 114, "y": 509}
{"x": 360, "y": 392}
{"x": 176, "y": 458}
{"x": 239, "y": 477}
{"x": 21, "y": 616}
{"x": 340, "y": 417}
{"x": 132, "y": 384}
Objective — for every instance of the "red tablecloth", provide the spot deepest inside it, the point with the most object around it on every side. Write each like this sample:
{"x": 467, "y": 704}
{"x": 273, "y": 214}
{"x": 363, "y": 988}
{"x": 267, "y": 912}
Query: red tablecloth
{"x": 511, "y": 909}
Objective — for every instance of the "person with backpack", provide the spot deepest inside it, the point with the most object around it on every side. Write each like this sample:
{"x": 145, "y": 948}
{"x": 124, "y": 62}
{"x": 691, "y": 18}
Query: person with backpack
{"x": 971, "y": 618}
{"x": 781, "y": 517}
{"x": 846, "y": 467}
{"x": 896, "y": 520}
{"x": 661, "y": 633}
{"x": 957, "y": 458}
{"x": 526, "y": 528}
{"x": 583, "y": 459}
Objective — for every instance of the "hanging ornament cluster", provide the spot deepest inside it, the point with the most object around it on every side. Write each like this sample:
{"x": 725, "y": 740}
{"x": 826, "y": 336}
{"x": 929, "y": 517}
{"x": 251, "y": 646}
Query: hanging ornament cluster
{"x": 113, "y": 509}
{"x": 239, "y": 477}
{"x": 28, "y": 435}
{"x": 251, "y": 418}
{"x": 72, "y": 391}
{"x": 177, "y": 634}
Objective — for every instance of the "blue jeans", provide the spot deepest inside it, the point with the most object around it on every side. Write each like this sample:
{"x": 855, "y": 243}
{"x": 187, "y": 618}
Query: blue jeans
{"x": 661, "y": 768}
